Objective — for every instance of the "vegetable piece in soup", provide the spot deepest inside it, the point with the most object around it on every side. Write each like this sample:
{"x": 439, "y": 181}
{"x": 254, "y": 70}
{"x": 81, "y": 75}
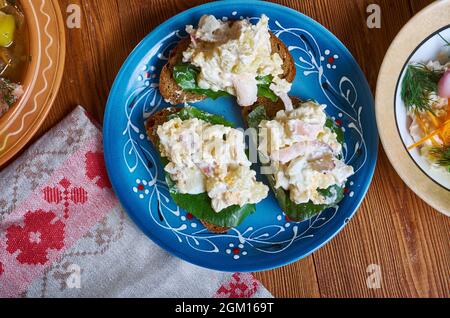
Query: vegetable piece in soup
{"x": 14, "y": 53}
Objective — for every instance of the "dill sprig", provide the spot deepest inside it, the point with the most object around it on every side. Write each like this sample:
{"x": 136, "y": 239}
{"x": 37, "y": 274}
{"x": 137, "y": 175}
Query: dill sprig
{"x": 442, "y": 156}
{"x": 418, "y": 84}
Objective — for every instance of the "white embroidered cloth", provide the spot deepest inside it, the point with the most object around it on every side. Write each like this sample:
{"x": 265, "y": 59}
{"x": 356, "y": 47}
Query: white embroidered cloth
{"x": 64, "y": 234}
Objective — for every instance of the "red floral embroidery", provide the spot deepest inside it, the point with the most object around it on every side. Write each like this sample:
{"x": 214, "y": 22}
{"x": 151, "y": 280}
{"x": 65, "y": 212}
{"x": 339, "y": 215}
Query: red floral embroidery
{"x": 52, "y": 195}
{"x": 96, "y": 170}
{"x": 68, "y": 194}
{"x": 240, "y": 286}
{"x": 1, "y": 268}
{"x": 40, "y": 234}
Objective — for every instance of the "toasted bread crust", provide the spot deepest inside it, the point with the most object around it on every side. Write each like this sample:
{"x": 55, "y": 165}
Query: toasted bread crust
{"x": 289, "y": 70}
{"x": 173, "y": 94}
{"x": 170, "y": 91}
{"x": 152, "y": 125}
{"x": 157, "y": 120}
{"x": 214, "y": 228}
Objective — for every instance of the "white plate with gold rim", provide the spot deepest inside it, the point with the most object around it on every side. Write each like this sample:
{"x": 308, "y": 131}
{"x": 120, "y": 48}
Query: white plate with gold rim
{"x": 419, "y": 41}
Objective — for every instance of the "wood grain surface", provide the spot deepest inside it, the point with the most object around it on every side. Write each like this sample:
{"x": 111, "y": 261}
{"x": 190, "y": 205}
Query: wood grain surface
{"x": 393, "y": 228}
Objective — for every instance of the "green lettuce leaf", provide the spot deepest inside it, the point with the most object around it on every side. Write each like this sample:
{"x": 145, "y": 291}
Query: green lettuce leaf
{"x": 305, "y": 211}
{"x": 186, "y": 75}
{"x": 257, "y": 116}
{"x": 330, "y": 123}
{"x": 299, "y": 212}
{"x": 189, "y": 112}
{"x": 199, "y": 205}
{"x": 264, "y": 87}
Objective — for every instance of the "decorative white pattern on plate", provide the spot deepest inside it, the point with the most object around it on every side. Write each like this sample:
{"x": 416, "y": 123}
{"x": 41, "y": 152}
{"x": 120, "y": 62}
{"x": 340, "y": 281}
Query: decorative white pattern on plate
{"x": 311, "y": 60}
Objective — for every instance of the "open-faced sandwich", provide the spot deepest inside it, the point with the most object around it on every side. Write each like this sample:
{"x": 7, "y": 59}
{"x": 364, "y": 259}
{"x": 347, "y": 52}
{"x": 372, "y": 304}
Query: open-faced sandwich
{"x": 426, "y": 94}
{"x": 301, "y": 146}
{"x": 222, "y": 58}
{"x": 207, "y": 169}
{"x": 303, "y": 150}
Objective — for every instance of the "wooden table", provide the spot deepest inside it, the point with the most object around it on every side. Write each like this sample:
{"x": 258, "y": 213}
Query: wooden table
{"x": 393, "y": 228}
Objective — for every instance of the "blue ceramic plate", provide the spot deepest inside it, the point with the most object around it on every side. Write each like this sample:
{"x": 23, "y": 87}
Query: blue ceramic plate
{"x": 326, "y": 72}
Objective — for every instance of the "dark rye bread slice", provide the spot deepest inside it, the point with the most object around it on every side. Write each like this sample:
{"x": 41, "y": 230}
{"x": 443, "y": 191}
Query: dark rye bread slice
{"x": 173, "y": 94}
{"x": 169, "y": 89}
{"x": 152, "y": 127}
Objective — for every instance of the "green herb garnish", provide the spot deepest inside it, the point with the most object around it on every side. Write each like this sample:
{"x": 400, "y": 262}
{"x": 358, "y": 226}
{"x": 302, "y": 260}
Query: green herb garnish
{"x": 442, "y": 156}
{"x": 418, "y": 84}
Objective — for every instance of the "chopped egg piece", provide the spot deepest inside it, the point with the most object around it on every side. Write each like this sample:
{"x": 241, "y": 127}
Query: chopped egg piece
{"x": 305, "y": 154}
{"x": 231, "y": 55}
{"x": 204, "y": 157}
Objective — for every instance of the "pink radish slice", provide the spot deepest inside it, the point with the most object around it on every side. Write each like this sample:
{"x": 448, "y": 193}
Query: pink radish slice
{"x": 444, "y": 85}
{"x": 193, "y": 39}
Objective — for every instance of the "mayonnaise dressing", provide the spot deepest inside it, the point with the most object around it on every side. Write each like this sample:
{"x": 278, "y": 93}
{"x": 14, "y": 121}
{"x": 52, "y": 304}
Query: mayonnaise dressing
{"x": 210, "y": 158}
{"x": 304, "y": 153}
{"x": 231, "y": 55}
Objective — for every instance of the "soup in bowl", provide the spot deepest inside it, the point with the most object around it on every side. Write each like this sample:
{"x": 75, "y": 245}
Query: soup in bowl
{"x": 32, "y": 56}
{"x": 14, "y": 53}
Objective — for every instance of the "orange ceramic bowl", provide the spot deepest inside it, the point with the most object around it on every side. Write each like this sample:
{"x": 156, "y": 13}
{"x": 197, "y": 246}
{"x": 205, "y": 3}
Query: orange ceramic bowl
{"x": 42, "y": 79}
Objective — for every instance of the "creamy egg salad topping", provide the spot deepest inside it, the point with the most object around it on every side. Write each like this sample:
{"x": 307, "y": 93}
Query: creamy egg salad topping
{"x": 304, "y": 153}
{"x": 210, "y": 158}
{"x": 231, "y": 55}
{"x": 421, "y": 122}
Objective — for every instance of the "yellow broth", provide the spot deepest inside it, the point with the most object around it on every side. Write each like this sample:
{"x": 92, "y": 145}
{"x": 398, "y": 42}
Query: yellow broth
{"x": 15, "y": 58}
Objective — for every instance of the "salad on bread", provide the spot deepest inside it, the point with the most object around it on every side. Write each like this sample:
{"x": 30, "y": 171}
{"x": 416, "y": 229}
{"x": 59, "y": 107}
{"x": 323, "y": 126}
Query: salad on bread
{"x": 205, "y": 157}
{"x": 207, "y": 169}
{"x": 303, "y": 149}
{"x": 228, "y": 58}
